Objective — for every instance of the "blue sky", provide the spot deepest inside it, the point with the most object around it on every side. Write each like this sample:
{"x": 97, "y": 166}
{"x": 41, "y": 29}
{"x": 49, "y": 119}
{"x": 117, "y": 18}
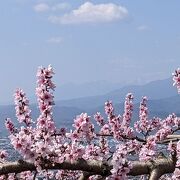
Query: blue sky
{"x": 120, "y": 41}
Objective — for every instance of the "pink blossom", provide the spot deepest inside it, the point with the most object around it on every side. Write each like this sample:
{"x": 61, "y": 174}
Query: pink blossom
{"x": 28, "y": 175}
{"x": 105, "y": 129}
{"x": 109, "y": 108}
{"x": 176, "y": 174}
{"x": 127, "y": 116}
{"x": 121, "y": 166}
{"x": 143, "y": 125}
{"x": 99, "y": 119}
{"x": 10, "y": 126}
{"x": 3, "y": 154}
{"x": 172, "y": 147}
{"x": 148, "y": 150}
{"x": 23, "y": 112}
{"x": 84, "y": 128}
{"x": 176, "y": 79}
{"x": 128, "y": 108}
{"x": 163, "y": 132}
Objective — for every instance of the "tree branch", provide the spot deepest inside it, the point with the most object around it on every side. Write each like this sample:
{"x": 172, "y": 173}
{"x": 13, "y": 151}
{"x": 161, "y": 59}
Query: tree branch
{"x": 155, "y": 168}
{"x": 169, "y": 138}
{"x": 155, "y": 174}
{"x": 94, "y": 167}
{"x": 161, "y": 166}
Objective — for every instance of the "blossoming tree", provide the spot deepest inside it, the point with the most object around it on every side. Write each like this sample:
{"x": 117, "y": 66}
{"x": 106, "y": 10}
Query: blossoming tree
{"x": 115, "y": 150}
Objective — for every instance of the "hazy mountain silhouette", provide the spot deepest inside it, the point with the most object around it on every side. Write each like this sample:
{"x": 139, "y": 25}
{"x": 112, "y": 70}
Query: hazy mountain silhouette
{"x": 163, "y": 100}
{"x": 72, "y": 90}
{"x": 153, "y": 90}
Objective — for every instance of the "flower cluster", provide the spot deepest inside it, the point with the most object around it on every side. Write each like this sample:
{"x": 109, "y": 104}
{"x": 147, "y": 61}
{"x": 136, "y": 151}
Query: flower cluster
{"x": 176, "y": 79}
{"x": 23, "y": 112}
{"x": 10, "y": 126}
{"x": 121, "y": 166}
{"x": 99, "y": 119}
{"x": 44, "y": 89}
{"x": 128, "y": 108}
{"x": 127, "y": 116}
{"x": 83, "y": 127}
{"x": 148, "y": 151}
{"x": 35, "y": 143}
{"x": 119, "y": 126}
{"x": 3, "y": 154}
{"x": 143, "y": 126}
{"x": 176, "y": 174}
{"x": 166, "y": 127}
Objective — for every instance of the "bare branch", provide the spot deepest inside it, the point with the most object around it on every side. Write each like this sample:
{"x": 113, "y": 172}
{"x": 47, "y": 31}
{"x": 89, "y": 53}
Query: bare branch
{"x": 155, "y": 174}
{"x": 173, "y": 138}
{"x": 161, "y": 165}
{"x": 89, "y": 166}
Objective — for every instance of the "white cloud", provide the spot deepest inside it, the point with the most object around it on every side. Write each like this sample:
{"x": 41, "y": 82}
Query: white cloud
{"x": 60, "y": 6}
{"x": 55, "y": 40}
{"x": 142, "y": 28}
{"x": 42, "y": 7}
{"x": 92, "y": 13}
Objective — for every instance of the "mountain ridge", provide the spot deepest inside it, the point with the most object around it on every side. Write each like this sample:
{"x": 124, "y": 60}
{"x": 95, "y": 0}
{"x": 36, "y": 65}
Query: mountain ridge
{"x": 153, "y": 90}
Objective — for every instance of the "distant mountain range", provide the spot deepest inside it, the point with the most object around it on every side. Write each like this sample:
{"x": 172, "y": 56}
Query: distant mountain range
{"x": 154, "y": 90}
{"x": 163, "y": 100}
{"x": 72, "y": 90}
